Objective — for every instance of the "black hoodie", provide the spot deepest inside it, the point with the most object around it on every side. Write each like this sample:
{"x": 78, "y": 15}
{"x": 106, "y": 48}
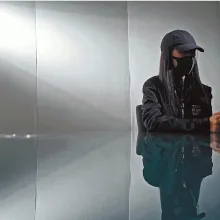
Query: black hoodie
{"x": 158, "y": 114}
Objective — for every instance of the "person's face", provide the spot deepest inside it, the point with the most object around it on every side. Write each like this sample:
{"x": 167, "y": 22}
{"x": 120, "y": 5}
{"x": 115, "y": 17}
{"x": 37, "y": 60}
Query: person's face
{"x": 179, "y": 54}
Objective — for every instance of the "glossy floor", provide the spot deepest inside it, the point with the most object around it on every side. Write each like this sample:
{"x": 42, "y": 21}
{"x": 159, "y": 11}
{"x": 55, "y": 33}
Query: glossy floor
{"x": 109, "y": 175}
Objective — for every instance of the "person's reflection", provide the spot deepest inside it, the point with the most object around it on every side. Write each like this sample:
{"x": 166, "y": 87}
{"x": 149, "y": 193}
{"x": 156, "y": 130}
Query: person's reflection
{"x": 176, "y": 164}
{"x": 215, "y": 142}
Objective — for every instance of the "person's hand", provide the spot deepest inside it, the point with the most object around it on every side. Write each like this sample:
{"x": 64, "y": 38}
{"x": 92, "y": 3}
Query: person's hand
{"x": 215, "y": 122}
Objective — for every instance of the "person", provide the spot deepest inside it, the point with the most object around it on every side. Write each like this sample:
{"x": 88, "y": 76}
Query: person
{"x": 176, "y": 99}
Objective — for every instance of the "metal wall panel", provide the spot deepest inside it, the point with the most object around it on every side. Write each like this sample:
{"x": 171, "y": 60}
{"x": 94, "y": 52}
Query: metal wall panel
{"x": 83, "y": 71}
{"x": 84, "y": 176}
{"x": 17, "y": 67}
{"x": 18, "y": 168}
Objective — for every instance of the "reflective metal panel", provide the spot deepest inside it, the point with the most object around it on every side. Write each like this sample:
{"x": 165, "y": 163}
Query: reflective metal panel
{"x": 83, "y": 74}
{"x": 18, "y": 167}
{"x": 84, "y": 176}
{"x": 17, "y": 67}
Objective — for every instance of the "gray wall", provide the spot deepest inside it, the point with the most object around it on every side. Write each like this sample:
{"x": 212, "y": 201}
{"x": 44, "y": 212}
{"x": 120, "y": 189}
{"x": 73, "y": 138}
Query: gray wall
{"x": 17, "y": 68}
{"x": 83, "y": 74}
{"x": 81, "y": 80}
{"x": 74, "y": 66}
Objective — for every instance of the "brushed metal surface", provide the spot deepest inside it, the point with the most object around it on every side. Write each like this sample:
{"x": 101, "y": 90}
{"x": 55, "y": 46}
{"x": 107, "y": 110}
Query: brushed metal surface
{"x": 18, "y": 168}
{"x": 84, "y": 176}
{"x": 83, "y": 69}
{"x": 17, "y": 67}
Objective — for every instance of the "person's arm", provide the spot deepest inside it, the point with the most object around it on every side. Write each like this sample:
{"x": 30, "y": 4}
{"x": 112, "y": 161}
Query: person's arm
{"x": 153, "y": 119}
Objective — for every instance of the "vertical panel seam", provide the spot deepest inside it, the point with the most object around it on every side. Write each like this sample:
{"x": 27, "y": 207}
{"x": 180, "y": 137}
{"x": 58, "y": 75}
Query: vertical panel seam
{"x": 131, "y": 113}
{"x": 36, "y": 113}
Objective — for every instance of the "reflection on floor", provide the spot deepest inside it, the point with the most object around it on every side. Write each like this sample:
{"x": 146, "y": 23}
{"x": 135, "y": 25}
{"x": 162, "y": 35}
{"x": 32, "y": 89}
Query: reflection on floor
{"x": 83, "y": 176}
{"x": 102, "y": 176}
{"x": 175, "y": 177}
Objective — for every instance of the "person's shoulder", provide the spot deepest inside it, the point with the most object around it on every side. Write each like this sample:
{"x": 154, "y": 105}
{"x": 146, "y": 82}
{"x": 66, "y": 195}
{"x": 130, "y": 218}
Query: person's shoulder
{"x": 207, "y": 88}
{"x": 152, "y": 81}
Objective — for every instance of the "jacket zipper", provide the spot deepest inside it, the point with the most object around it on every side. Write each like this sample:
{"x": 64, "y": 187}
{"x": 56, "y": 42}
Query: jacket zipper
{"x": 182, "y": 100}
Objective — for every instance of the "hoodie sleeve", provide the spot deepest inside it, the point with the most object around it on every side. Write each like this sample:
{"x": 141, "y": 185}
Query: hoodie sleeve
{"x": 154, "y": 120}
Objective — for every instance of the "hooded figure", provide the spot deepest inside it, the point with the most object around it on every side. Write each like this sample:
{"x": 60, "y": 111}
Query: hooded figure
{"x": 175, "y": 99}
{"x": 177, "y": 167}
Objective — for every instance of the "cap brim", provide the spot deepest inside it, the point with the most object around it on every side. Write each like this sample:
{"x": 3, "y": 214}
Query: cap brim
{"x": 187, "y": 47}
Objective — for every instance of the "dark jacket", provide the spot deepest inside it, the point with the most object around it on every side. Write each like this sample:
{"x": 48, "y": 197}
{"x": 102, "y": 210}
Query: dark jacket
{"x": 157, "y": 112}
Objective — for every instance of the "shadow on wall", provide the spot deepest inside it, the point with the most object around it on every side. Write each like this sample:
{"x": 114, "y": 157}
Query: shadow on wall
{"x": 85, "y": 8}
{"x": 17, "y": 99}
{"x": 94, "y": 54}
{"x": 58, "y": 111}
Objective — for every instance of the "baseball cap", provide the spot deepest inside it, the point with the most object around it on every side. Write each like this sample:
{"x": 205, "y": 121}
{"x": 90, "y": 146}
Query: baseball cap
{"x": 180, "y": 40}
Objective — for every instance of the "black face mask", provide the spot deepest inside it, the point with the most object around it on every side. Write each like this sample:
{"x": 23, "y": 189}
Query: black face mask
{"x": 184, "y": 65}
